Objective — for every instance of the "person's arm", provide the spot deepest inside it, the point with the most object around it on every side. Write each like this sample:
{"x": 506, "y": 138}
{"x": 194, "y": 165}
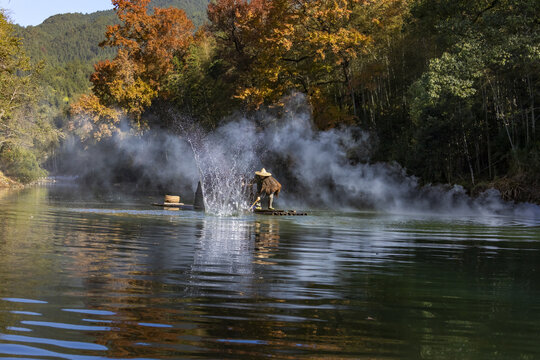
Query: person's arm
{"x": 252, "y": 181}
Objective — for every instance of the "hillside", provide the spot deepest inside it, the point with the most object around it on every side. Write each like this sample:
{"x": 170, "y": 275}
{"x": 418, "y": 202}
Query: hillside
{"x": 68, "y": 46}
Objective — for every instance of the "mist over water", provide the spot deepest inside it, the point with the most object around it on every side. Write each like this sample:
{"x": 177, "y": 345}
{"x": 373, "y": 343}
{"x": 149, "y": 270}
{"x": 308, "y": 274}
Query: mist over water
{"x": 156, "y": 160}
{"x": 318, "y": 170}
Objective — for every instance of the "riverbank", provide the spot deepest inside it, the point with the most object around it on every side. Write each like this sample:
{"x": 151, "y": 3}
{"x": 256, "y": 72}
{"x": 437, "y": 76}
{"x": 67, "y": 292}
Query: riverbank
{"x": 7, "y": 183}
{"x": 517, "y": 188}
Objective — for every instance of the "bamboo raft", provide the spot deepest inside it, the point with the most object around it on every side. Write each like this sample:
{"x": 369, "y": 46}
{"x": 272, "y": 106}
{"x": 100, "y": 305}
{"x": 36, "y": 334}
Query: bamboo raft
{"x": 277, "y": 212}
{"x": 180, "y": 206}
{"x": 172, "y": 202}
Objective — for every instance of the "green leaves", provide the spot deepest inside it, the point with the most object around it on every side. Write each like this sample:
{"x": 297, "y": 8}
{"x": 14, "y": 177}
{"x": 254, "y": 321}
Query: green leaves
{"x": 456, "y": 73}
{"x": 20, "y": 163}
{"x": 21, "y": 136}
{"x": 16, "y": 79}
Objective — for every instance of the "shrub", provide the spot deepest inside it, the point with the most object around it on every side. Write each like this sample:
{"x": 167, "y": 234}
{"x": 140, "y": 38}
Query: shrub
{"x": 20, "y": 163}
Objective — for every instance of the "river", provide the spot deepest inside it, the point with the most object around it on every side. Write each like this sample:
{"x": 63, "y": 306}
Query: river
{"x": 102, "y": 277}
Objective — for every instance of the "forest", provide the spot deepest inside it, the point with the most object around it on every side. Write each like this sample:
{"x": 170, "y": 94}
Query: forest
{"x": 447, "y": 88}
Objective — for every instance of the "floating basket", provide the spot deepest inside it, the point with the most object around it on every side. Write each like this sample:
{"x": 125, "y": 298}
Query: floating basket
{"x": 172, "y": 199}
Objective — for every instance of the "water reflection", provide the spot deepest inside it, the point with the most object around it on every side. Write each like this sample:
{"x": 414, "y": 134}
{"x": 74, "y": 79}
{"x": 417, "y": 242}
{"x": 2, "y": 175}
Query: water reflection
{"x": 89, "y": 283}
{"x": 223, "y": 260}
{"x": 266, "y": 240}
{"x": 224, "y": 243}
{"x": 227, "y": 252}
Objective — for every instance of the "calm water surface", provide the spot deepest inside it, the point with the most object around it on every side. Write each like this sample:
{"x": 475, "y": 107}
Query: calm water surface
{"x": 101, "y": 278}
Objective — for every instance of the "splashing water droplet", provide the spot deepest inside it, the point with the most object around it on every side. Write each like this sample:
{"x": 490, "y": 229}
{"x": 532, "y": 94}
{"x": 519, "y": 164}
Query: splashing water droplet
{"x": 225, "y": 163}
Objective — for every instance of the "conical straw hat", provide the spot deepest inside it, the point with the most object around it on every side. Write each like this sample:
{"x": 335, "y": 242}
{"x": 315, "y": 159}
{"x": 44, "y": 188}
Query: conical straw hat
{"x": 263, "y": 172}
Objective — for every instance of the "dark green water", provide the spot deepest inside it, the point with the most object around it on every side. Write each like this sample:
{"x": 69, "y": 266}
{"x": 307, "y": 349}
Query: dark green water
{"x": 85, "y": 278}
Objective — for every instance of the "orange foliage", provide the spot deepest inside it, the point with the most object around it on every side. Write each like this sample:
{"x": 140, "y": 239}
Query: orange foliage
{"x": 281, "y": 45}
{"x": 150, "y": 40}
{"x": 90, "y": 120}
{"x": 117, "y": 83}
{"x": 147, "y": 44}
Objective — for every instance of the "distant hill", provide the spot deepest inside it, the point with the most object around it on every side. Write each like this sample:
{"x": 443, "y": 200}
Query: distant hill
{"x": 68, "y": 45}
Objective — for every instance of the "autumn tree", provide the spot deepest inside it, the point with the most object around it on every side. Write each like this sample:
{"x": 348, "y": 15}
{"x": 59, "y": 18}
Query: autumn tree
{"x": 150, "y": 41}
{"x": 118, "y": 83}
{"x": 307, "y": 45}
{"x": 91, "y": 120}
{"x": 147, "y": 42}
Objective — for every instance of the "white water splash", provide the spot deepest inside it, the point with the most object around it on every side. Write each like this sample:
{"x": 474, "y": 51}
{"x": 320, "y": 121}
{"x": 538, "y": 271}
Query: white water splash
{"x": 225, "y": 160}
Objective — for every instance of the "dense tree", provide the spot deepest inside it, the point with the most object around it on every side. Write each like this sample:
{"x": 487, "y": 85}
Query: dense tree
{"x": 481, "y": 89}
{"x": 16, "y": 75}
{"x": 68, "y": 46}
{"x": 147, "y": 43}
{"x": 201, "y": 85}
{"x": 24, "y": 133}
{"x": 449, "y": 88}
{"x": 310, "y": 46}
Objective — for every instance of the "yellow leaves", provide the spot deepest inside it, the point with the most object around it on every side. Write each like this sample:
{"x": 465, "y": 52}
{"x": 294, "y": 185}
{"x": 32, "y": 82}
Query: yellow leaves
{"x": 387, "y": 16}
{"x": 133, "y": 97}
{"x": 326, "y": 115}
{"x": 253, "y": 96}
{"x": 147, "y": 45}
{"x": 91, "y": 120}
{"x": 321, "y": 53}
{"x": 116, "y": 85}
{"x": 276, "y": 46}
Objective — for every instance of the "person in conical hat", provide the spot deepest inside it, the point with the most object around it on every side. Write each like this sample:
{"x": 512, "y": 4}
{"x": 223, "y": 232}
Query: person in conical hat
{"x": 266, "y": 186}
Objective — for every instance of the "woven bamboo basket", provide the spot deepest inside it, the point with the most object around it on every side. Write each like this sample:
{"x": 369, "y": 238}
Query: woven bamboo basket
{"x": 172, "y": 199}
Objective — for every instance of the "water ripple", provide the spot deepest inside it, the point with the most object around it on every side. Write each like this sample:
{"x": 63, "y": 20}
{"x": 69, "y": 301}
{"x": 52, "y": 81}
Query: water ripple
{"x": 26, "y": 301}
{"x": 66, "y": 326}
{"x": 90, "y": 312}
{"x": 30, "y": 313}
{"x": 15, "y": 328}
{"x": 61, "y": 343}
{"x": 24, "y": 350}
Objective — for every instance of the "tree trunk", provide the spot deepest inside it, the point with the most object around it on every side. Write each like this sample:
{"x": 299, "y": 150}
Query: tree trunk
{"x": 348, "y": 81}
{"x": 533, "y": 119}
{"x": 486, "y": 126}
{"x": 499, "y": 111}
{"x": 468, "y": 156}
{"x": 490, "y": 170}
{"x": 355, "y": 111}
{"x": 526, "y": 118}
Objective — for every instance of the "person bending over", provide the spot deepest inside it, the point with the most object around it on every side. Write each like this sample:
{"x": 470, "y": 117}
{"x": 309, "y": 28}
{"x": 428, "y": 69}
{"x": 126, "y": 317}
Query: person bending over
{"x": 266, "y": 186}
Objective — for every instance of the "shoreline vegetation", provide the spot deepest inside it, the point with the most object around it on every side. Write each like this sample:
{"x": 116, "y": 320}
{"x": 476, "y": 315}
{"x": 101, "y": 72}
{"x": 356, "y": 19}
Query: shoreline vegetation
{"x": 448, "y": 89}
{"x": 8, "y": 183}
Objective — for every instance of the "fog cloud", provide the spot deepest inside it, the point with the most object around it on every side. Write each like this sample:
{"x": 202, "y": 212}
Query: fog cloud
{"x": 318, "y": 170}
